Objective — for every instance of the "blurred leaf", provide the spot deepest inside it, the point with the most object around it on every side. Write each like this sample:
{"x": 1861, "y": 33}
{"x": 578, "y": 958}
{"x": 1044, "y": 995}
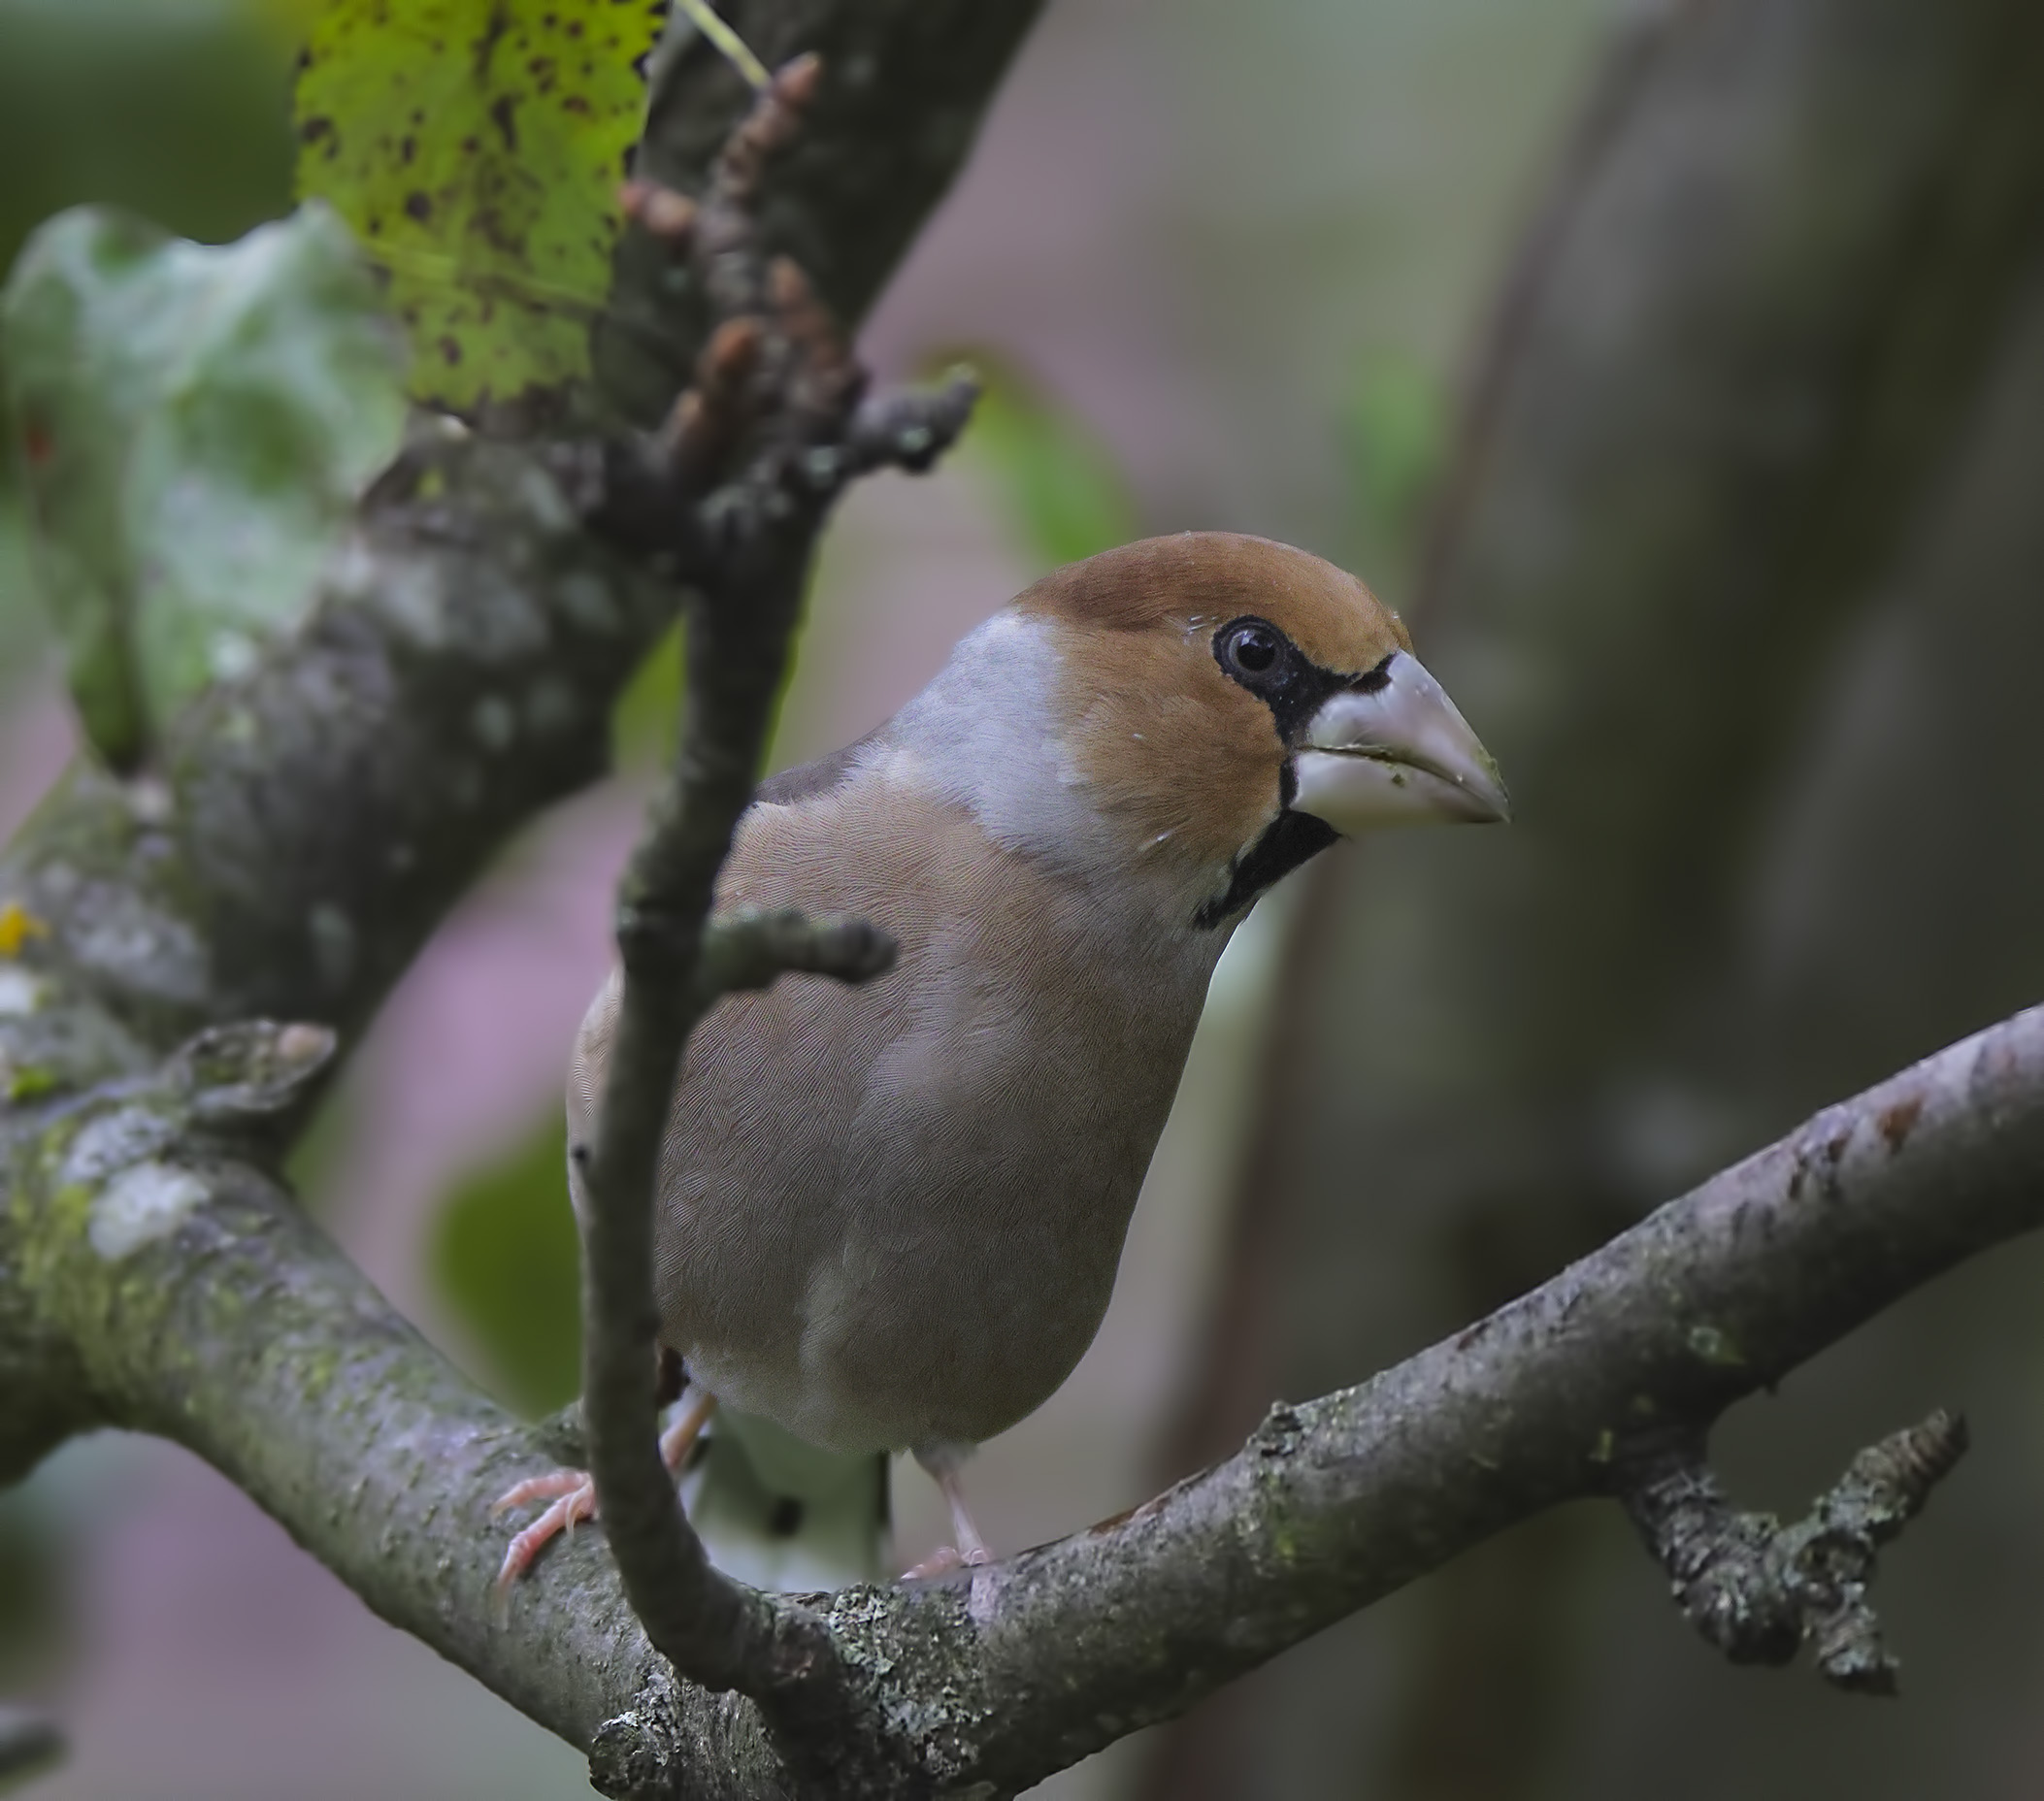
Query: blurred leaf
{"x": 505, "y": 1255}
{"x": 477, "y": 147}
{"x": 643, "y": 719}
{"x": 196, "y": 425}
{"x": 1063, "y": 490}
{"x": 20, "y": 619}
{"x": 35, "y": 1572}
{"x": 289, "y": 21}
{"x": 1397, "y": 436}
{"x": 30, "y": 1744}
{"x": 180, "y": 112}
{"x": 319, "y": 1156}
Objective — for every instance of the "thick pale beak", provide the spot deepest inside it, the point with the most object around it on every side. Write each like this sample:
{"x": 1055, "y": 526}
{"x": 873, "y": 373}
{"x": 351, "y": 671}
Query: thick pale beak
{"x": 1398, "y": 755}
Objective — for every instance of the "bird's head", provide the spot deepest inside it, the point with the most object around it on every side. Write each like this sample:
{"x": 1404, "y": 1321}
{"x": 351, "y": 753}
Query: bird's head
{"x": 1227, "y": 707}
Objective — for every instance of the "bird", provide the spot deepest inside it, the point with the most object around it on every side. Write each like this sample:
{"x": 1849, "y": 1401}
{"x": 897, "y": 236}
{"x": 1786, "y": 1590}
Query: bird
{"x": 889, "y": 1216}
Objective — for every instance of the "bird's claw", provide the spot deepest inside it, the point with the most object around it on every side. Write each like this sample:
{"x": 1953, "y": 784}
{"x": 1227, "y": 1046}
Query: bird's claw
{"x": 572, "y": 1493}
{"x": 946, "y": 1560}
{"x": 539, "y": 1488}
{"x": 576, "y": 1501}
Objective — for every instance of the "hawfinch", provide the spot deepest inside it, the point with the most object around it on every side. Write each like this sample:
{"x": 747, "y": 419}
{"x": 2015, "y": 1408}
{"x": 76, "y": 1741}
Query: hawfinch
{"x": 889, "y": 1216}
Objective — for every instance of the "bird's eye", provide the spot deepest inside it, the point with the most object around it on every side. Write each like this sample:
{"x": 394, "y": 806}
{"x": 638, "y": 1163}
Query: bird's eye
{"x": 1250, "y": 650}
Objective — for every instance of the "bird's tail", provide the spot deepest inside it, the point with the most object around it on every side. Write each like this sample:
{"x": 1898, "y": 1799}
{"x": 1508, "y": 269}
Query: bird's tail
{"x": 779, "y": 1514}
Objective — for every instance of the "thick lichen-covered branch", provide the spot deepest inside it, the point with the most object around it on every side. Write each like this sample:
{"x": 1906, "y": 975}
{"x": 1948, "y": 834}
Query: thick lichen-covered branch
{"x": 207, "y": 1308}
{"x": 145, "y": 1233}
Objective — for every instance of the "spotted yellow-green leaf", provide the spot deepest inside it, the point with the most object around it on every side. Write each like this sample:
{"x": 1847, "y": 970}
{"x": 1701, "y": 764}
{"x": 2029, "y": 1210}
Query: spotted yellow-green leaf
{"x": 477, "y": 147}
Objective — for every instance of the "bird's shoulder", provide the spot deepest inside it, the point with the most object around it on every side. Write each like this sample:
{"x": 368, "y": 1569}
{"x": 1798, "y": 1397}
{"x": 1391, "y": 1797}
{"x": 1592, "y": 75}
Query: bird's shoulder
{"x": 862, "y": 831}
{"x": 818, "y": 776}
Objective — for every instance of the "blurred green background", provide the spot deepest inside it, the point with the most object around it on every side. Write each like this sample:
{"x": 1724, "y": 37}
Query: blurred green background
{"x": 1393, "y": 279}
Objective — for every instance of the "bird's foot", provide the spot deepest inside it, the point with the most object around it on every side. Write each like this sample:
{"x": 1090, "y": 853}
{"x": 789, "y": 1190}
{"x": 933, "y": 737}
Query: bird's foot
{"x": 571, "y": 1492}
{"x": 946, "y": 1560}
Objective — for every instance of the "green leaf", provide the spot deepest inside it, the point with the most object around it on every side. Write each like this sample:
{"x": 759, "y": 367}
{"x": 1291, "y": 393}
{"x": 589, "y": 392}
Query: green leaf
{"x": 1063, "y": 490}
{"x": 644, "y": 718}
{"x": 1397, "y": 437}
{"x": 505, "y": 1255}
{"x": 477, "y": 147}
{"x": 19, "y": 619}
{"x": 35, "y": 1571}
{"x": 195, "y": 426}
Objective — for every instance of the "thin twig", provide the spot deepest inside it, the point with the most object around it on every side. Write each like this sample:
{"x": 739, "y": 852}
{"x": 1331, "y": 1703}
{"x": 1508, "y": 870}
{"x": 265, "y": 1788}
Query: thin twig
{"x": 1759, "y": 1589}
{"x": 752, "y": 949}
{"x": 733, "y": 48}
{"x": 738, "y": 484}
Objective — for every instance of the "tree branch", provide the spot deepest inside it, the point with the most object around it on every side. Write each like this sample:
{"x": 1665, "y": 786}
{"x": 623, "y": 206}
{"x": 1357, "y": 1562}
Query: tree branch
{"x": 217, "y": 1316}
{"x": 912, "y": 79}
{"x": 1755, "y": 1589}
{"x": 752, "y": 949}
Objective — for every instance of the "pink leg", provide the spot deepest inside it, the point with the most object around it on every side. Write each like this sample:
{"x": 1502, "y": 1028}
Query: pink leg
{"x": 577, "y": 1503}
{"x": 679, "y": 1439}
{"x": 574, "y": 1495}
{"x": 969, "y": 1550}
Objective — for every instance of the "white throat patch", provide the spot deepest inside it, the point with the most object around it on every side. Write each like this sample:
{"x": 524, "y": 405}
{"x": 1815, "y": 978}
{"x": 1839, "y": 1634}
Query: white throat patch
{"x": 982, "y": 736}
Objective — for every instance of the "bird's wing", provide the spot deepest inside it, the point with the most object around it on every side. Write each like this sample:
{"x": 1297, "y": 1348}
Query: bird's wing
{"x": 750, "y": 1184}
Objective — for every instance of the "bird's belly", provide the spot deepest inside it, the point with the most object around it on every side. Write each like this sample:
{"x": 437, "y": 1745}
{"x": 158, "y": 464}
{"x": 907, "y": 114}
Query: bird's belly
{"x": 892, "y": 1362}
{"x": 961, "y": 1350}
{"x": 891, "y": 1215}
{"x": 930, "y": 1267}
{"x": 916, "y": 1329}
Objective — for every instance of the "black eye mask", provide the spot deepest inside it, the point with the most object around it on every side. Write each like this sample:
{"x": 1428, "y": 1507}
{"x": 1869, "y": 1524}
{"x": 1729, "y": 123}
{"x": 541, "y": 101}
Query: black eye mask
{"x": 1256, "y": 655}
